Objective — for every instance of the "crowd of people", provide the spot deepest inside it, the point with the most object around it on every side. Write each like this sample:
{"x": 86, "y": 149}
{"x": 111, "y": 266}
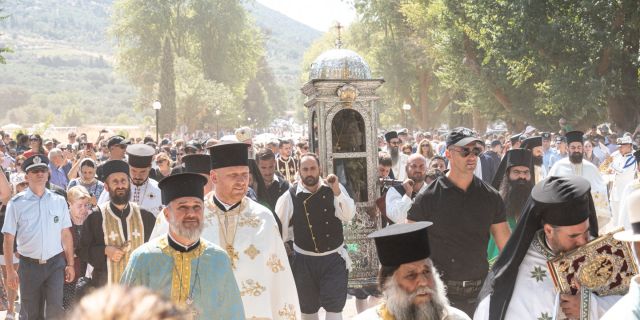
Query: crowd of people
{"x": 235, "y": 229}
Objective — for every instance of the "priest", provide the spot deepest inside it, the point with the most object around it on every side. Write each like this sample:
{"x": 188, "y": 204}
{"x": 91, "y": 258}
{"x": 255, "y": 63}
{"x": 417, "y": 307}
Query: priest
{"x": 409, "y": 282}
{"x": 194, "y": 273}
{"x": 144, "y": 190}
{"x": 249, "y": 234}
{"x": 398, "y": 159}
{"x": 559, "y": 217}
{"x": 514, "y": 181}
{"x": 113, "y": 230}
{"x": 575, "y": 165}
{"x": 534, "y": 144}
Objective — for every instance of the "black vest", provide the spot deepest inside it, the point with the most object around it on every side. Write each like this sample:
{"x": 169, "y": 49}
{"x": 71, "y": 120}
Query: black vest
{"x": 319, "y": 221}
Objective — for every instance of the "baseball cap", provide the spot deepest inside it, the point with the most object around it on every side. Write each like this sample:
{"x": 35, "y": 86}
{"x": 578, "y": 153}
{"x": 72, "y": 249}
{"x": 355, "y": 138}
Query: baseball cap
{"x": 115, "y": 140}
{"x": 461, "y": 136}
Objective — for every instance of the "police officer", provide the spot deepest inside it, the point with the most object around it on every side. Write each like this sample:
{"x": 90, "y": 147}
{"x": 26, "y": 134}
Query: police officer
{"x": 39, "y": 220}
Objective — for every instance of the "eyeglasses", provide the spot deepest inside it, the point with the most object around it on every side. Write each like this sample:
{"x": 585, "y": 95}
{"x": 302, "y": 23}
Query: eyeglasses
{"x": 465, "y": 152}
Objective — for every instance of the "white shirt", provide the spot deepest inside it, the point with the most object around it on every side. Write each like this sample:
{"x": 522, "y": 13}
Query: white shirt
{"x": 398, "y": 206}
{"x": 345, "y": 207}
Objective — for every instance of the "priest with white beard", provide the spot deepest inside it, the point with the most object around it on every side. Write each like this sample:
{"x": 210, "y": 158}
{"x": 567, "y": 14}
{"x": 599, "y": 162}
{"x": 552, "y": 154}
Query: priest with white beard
{"x": 575, "y": 165}
{"x": 409, "y": 282}
{"x": 249, "y": 234}
{"x": 559, "y": 217}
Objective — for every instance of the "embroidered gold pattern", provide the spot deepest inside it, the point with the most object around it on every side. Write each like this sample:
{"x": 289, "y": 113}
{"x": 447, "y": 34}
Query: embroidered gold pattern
{"x": 252, "y": 252}
{"x": 275, "y": 264}
{"x": 288, "y": 312}
{"x": 233, "y": 255}
{"x": 252, "y": 288}
{"x": 252, "y": 221}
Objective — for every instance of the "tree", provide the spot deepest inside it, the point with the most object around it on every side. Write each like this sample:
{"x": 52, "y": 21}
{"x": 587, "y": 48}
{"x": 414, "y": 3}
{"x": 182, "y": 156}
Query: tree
{"x": 198, "y": 99}
{"x": 216, "y": 36}
{"x": 167, "y": 90}
{"x": 263, "y": 96}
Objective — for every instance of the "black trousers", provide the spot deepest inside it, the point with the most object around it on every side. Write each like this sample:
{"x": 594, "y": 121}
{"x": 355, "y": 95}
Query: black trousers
{"x": 321, "y": 282}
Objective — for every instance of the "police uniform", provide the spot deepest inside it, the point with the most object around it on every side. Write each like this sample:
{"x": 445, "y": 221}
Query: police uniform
{"x": 37, "y": 223}
{"x": 321, "y": 263}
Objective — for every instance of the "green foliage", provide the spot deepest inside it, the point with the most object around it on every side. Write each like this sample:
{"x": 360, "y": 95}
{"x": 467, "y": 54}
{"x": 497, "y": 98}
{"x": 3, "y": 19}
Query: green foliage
{"x": 517, "y": 60}
{"x": 167, "y": 91}
{"x": 198, "y": 99}
{"x": 215, "y": 35}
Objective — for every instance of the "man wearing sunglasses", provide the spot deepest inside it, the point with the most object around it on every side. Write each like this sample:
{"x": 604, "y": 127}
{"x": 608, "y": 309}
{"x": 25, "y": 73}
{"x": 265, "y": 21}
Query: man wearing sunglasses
{"x": 463, "y": 210}
{"x": 38, "y": 219}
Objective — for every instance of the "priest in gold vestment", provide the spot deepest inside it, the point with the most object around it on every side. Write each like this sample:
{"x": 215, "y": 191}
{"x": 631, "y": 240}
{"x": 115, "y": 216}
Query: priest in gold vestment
{"x": 249, "y": 234}
{"x": 194, "y": 273}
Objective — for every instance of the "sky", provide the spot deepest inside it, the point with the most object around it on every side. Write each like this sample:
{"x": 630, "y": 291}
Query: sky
{"x": 318, "y": 14}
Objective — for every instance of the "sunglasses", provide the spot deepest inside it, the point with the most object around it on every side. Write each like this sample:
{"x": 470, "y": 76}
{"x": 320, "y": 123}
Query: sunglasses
{"x": 465, "y": 152}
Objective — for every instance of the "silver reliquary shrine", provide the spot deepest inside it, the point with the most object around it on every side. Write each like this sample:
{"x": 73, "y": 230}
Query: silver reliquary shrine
{"x": 341, "y": 99}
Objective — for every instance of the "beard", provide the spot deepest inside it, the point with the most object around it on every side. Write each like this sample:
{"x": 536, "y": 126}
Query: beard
{"x": 400, "y": 303}
{"x": 190, "y": 233}
{"x": 310, "y": 181}
{"x": 537, "y": 161}
{"x": 120, "y": 199}
{"x": 515, "y": 194}
{"x": 575, "y": 157}
{"x": 394, "y": 153}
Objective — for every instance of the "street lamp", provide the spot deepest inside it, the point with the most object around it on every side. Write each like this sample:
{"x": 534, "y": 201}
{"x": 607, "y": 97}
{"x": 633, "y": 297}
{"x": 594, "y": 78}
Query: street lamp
{"x": 218, "y": 123}
{"x": 157, "y": 106}
{"x": 406, "y": 107}
{"x": 249, "y": 120}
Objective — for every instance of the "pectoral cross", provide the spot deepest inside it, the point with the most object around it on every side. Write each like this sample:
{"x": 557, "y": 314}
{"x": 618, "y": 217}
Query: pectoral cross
{"x": 113, "y": 236}
{"x": 135, "y": 234}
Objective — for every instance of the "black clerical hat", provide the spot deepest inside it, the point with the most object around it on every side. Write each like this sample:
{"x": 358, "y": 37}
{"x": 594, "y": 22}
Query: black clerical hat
{"x": 575, "y": 136}
{"x": 390, "y": 135}
{"x": 229, "y": 154}
{"x": 513, "y": 157}
{"x": 182, "y": 185}
{"x": 530, "y": 143}
{"x": 140, "y": 155}
{"x": 402, "y": 243}
{"x": 35, "y": 161}
{"x": 113, "y": 166}
{"x": 197, "y": 163}
{"x": 564, "y": 200}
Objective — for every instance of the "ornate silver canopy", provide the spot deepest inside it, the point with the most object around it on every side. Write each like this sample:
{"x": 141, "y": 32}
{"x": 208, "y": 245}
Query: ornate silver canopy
{"x": 339, "y": 64}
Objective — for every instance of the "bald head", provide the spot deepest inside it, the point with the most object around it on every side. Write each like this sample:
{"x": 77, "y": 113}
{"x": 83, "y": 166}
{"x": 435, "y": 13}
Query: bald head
{"x": 416, "y": 167}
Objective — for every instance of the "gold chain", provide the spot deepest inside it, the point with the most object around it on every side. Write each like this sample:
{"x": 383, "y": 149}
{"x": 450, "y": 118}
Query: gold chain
{"x": 231, "y": 251}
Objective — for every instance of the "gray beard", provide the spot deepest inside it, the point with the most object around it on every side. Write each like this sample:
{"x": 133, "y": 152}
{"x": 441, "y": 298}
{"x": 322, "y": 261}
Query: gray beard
{"x": 400, "y": 303}
{"x": 192, "y": 234}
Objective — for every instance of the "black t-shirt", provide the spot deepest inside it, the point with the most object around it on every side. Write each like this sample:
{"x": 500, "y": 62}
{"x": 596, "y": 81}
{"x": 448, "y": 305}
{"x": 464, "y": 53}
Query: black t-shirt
{"x": 461, "y": 226}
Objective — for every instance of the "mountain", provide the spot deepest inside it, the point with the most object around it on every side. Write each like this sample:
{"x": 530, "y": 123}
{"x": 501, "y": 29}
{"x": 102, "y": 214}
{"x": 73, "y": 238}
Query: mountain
{"x": 61, "y": 69}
